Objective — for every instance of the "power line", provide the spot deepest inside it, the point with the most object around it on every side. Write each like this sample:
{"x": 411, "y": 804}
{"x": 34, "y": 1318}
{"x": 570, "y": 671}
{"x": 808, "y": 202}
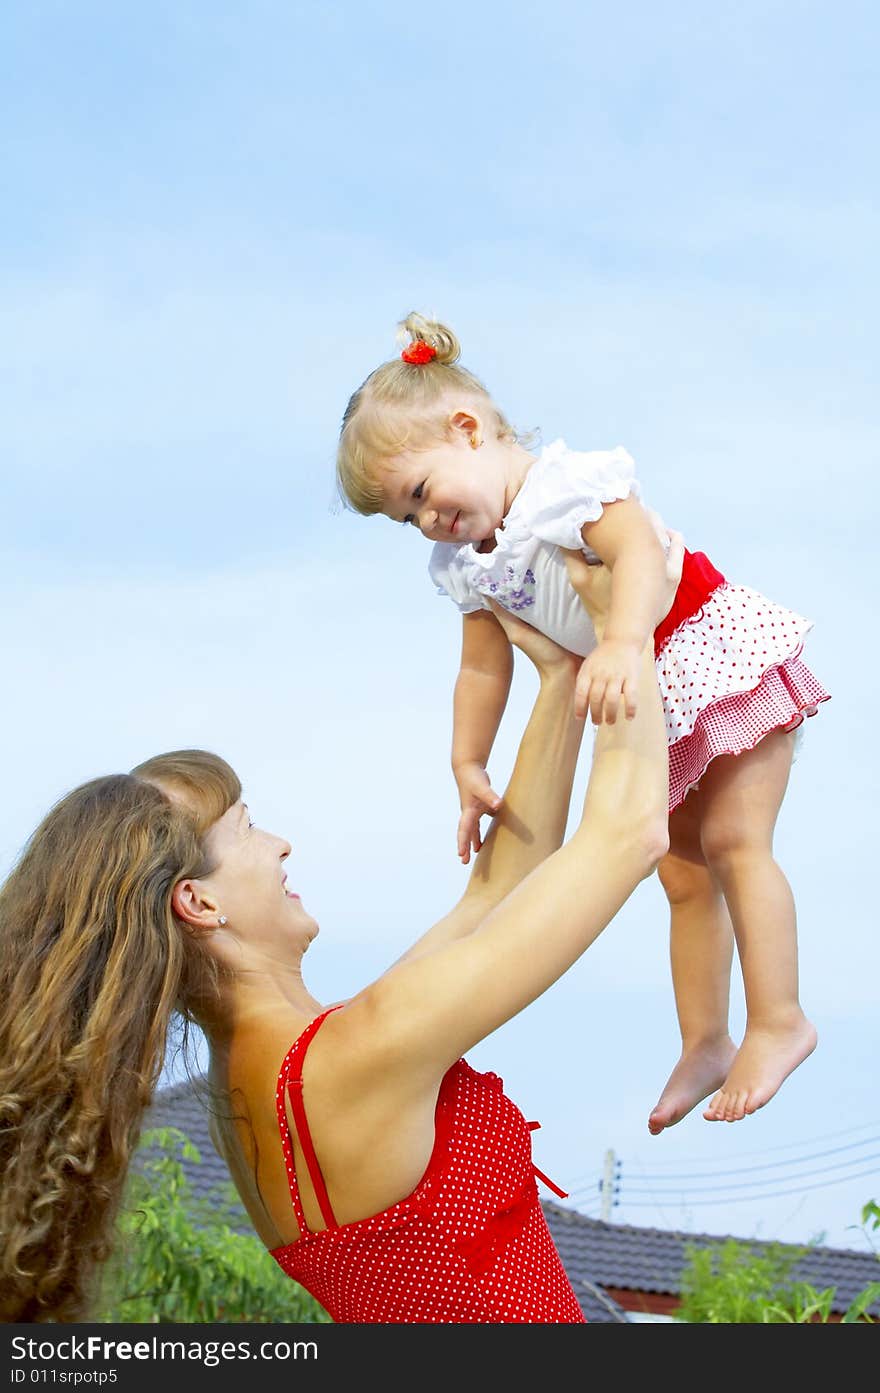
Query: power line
{"x": 854, "y": 1161}
{"x": 660, "y": 1176}
{"x": 738, "y": 1199}
{"x": 658, "y": 1194}
{"x": 784, "y": 1146}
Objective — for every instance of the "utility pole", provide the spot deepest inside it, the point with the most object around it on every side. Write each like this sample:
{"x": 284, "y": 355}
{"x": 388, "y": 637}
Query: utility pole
{"x": 607, "y": 1186}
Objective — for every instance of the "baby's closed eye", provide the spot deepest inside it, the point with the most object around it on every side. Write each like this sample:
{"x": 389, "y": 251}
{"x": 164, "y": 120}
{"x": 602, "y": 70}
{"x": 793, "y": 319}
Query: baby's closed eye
{"x": 416, "y": 493}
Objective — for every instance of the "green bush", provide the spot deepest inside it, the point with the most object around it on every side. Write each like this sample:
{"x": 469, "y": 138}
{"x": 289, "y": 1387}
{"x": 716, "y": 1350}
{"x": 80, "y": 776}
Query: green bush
{"x": 179, "y": 1258}
{"x": 728, "y": 1283}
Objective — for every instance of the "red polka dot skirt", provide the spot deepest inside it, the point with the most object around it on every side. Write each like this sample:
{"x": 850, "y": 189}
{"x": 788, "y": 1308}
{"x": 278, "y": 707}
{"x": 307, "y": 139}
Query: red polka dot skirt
{"x": 469, "y": 1245}
{"x": 730, "y": 674}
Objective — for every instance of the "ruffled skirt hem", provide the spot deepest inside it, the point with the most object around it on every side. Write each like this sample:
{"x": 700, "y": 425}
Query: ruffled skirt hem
{"x": 787, "y": 693}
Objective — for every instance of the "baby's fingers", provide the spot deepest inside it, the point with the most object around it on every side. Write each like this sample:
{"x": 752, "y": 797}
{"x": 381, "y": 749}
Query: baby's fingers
{"x": 469, "y": 834}
{"x": 630, "y": 698}
{"x": 582, "y": 697}
{"x": 611, "y": 703}
{"x": 597, "y": 701}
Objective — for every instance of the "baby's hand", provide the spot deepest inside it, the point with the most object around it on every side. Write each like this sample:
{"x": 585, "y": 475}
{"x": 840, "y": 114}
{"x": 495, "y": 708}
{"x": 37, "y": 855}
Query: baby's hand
{"x": 477, "y": 797}
{"x": 608, "y": 677}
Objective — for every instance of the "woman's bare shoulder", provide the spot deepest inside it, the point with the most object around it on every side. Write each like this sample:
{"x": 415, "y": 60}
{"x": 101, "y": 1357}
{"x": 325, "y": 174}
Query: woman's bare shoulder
{"x": 258, "y": 1050}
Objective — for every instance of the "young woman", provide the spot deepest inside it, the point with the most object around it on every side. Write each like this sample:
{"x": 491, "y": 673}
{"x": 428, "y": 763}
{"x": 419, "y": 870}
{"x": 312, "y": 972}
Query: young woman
{"x": 381, "y": 1171}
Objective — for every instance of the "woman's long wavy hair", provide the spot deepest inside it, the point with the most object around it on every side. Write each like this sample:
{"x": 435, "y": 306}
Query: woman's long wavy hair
{"x": 94, "y": 966}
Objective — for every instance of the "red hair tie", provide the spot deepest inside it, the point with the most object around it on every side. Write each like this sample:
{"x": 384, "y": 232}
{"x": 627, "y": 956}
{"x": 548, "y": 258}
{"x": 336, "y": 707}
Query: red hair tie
{"x": 419, "y": 352}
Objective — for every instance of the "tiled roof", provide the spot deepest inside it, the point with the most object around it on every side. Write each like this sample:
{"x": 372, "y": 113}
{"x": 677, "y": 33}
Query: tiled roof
{"x": 625, "y": 1258}
{"x": 597, "y": 1256}
{"x": 186, "y": 1106}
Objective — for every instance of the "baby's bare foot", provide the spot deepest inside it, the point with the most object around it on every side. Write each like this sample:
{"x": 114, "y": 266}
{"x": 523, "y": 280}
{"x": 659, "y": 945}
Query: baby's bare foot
{"x": 697, "y": 1073}
{"x": 763, "y": 1062}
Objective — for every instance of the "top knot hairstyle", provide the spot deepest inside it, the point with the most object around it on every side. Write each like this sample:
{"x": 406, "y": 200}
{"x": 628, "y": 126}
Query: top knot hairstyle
{"x": 403, "y": 405}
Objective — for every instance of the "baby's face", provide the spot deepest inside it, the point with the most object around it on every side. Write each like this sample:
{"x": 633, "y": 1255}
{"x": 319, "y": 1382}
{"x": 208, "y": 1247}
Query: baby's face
{"x": 451, "y": 492}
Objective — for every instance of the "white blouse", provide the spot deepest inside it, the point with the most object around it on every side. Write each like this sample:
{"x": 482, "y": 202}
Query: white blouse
{"x": 526, "y": 572}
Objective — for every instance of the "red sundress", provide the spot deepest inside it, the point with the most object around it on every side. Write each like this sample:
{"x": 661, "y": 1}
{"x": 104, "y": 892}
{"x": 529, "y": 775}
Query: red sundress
{"x": 470, "y": 1244}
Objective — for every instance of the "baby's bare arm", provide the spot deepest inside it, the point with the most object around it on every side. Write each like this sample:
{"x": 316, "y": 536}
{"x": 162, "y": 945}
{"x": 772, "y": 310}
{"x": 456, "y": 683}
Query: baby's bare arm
{"x": 626, "y": 539}
{"x": 481, "y": 688}
{"x": 481, "y": 691}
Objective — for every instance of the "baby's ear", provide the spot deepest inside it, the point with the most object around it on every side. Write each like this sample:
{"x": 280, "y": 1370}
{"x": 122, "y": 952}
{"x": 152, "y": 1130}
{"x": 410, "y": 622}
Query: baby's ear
{"x": 463, "y": 422}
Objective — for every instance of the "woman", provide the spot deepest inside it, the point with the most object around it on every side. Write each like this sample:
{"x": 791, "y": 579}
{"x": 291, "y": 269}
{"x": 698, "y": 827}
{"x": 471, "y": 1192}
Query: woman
{"x": 380, "y": 1170}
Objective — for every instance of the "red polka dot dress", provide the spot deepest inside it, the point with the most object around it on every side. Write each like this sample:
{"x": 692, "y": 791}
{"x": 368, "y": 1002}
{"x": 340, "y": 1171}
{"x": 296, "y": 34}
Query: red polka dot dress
{"x": 728, "y": 659}
{"x": 469, "y": 1245}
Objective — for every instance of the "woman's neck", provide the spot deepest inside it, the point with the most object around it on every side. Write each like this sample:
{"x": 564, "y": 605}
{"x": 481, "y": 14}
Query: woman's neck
{"x": 255, "y": 994}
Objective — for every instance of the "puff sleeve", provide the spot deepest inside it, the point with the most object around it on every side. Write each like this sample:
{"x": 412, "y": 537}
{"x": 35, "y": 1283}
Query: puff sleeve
{"x": 573, "y": 487}
{"x": 448, "y": 571}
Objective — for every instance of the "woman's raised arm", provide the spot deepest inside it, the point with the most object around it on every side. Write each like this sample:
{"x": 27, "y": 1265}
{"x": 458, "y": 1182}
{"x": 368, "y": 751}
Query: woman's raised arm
{"x": 437, "y": 1006}
{"x": 531, "y": 821}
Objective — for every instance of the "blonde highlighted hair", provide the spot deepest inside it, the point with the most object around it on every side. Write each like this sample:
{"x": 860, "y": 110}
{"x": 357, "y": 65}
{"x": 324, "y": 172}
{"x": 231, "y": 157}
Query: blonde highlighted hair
{"x": 94, "y": 965}
{"x": 404, "y": 406}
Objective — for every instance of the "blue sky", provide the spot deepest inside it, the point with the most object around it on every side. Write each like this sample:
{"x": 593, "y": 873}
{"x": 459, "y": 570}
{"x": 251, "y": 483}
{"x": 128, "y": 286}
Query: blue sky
{"x": 654, "y": 227}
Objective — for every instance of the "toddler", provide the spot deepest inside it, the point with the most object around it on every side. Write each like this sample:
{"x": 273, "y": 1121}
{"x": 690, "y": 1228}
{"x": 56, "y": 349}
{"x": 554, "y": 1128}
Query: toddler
{"x": 424, "y": 443}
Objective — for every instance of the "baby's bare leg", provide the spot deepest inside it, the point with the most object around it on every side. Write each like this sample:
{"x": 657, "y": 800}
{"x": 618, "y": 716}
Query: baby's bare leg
{"x": 701, "y": 953}
{"x": 741, "y": 797}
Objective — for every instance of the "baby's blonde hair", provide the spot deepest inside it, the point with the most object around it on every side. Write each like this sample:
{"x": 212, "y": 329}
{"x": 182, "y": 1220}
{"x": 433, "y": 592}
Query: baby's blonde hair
{"x": 403, "y": 406}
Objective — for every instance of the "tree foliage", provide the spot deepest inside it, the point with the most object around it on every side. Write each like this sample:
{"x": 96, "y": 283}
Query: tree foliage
{"x": 179, "y": 1257}
{"x": 729, "y": 1283}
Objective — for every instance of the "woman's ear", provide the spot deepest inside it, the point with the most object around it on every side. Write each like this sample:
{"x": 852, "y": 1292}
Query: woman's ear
{"x": 192, "y": 903}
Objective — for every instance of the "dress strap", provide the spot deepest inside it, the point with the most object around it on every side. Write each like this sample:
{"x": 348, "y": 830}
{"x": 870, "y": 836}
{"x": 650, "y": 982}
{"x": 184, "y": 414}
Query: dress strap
{"x": 290, "y": 1083}
{"x": 551, "y": 1184}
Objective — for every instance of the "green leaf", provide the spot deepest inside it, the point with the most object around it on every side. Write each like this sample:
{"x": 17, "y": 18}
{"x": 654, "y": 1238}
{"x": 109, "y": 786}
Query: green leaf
{"x": 179, "y": 1259}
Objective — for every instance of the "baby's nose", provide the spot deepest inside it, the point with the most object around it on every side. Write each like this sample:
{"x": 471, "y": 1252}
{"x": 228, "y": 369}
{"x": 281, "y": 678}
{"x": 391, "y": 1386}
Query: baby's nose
{"x": 428, "y": 519}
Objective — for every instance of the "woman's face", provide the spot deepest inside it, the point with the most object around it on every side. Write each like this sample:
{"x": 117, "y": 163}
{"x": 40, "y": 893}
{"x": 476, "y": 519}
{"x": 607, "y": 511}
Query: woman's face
{"x": 249, "y": 882}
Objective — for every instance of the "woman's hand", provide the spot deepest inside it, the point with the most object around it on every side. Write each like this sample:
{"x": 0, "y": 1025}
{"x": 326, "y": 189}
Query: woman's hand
{"x": 593, "y": 583}
{"x": 547, "y": 655}
{"x": 674, "y": 563}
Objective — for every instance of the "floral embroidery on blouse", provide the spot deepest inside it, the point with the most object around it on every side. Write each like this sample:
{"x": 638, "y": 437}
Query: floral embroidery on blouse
{"x": 509, "y": 591}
